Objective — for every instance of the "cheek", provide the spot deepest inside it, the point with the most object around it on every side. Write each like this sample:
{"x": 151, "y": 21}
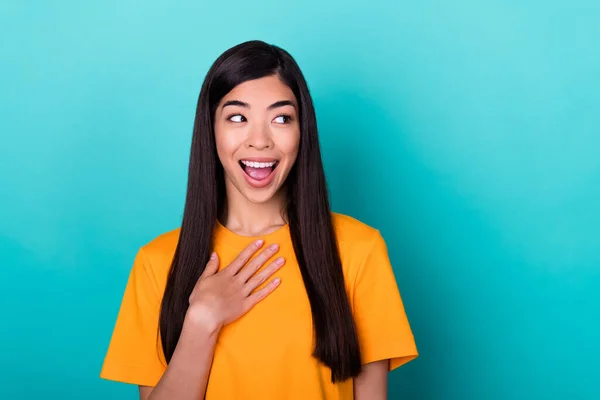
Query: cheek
{"x": 289, "y": 144}
{"x": 226, "y": 146}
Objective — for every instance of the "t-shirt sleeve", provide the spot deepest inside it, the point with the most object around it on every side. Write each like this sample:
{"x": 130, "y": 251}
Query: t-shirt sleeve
{"x": 383, "y": 328}
{"x": 134, "y": 354}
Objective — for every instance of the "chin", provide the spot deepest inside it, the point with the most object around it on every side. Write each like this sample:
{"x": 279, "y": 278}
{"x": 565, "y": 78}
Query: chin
{"x": 256, "y": 197}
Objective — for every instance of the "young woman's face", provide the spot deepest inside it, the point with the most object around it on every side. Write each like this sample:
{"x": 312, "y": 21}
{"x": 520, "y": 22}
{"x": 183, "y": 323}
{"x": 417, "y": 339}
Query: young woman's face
{"x": 257, "y": 135}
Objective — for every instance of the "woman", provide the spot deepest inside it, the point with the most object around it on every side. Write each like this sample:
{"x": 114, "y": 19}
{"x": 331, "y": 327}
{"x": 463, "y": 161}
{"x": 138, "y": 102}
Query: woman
{"x": 263, "y": 292}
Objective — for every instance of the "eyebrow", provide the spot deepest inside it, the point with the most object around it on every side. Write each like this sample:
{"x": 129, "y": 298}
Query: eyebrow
{"x": 277, "y": 104}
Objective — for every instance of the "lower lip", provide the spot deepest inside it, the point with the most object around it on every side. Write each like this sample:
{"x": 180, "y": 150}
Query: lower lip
{"x": 256, "y": 183}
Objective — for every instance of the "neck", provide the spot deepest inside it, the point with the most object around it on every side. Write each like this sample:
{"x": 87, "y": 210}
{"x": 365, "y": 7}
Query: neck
{"x": 253, "y": 219}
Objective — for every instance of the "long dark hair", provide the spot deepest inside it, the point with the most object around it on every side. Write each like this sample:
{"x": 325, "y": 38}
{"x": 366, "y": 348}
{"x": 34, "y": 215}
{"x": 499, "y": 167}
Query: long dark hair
{"x": 308, "y": 211}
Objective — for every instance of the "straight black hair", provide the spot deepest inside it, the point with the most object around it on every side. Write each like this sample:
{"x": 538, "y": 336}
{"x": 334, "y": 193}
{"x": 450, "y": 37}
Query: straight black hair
{"x": 308, "y": 211}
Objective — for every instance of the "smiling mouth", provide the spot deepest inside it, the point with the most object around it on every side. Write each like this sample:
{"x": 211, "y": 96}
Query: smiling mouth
{"x": 258, "y": 170}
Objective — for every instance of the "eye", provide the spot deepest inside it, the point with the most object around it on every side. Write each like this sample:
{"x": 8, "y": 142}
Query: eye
{"x": 236, "y": 118}
{"x": 283, "y": 119}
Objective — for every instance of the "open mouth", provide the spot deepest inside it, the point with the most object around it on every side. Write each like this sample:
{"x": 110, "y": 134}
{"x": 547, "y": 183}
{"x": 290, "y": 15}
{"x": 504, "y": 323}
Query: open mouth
{"x": 258, "y": 170}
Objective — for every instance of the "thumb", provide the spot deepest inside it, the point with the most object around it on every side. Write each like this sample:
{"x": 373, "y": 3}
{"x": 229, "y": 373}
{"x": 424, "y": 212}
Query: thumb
{"x": 212, "y": 267}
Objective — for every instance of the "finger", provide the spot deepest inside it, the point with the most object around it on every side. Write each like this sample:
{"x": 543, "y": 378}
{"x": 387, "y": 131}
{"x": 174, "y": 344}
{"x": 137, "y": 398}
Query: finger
{"x": 259, "y": 295}
{"x": 263, "y": 275}
{"x": 243, "y": 257}
{"x": 212, "y": 267}
{"x": 254, "y": 265}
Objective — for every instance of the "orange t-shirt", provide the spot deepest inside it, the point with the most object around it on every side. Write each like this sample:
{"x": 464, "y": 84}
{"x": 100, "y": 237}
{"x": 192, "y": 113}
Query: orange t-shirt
{"x": 266, "y": 354}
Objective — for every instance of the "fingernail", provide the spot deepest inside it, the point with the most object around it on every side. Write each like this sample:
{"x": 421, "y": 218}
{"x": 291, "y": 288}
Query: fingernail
{"x": 276, "y": 281}
{"x": 213, "y": 255}
{"x": 259, "y": 242}
{"x": 274, "y": 246}
{"x": 280, "y": 260}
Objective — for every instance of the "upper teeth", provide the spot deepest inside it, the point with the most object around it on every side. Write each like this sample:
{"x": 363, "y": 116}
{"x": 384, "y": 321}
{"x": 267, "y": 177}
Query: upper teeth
{"x": 254, "y": 164}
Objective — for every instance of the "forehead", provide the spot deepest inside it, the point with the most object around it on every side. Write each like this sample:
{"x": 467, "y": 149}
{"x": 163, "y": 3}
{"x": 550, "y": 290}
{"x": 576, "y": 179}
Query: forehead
{"x": 261, "y": 91}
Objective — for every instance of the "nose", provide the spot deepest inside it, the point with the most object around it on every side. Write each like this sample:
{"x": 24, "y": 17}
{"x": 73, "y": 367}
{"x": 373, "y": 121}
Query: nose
{"x": 259, "y": 138}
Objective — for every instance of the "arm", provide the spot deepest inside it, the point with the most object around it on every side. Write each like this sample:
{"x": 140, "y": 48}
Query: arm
{"x": 371, "y": 383}
{"x": 384, "y": 334}
{"x": 187, "y": 374}
{"x": 219, "y": 298}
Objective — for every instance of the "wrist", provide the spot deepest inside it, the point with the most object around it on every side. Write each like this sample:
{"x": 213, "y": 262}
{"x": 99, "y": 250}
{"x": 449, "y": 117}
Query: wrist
{"x": 198, "y": 319}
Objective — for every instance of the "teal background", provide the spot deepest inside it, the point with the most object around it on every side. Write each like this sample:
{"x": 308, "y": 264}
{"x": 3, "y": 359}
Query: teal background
{"x": 466, "y": 131}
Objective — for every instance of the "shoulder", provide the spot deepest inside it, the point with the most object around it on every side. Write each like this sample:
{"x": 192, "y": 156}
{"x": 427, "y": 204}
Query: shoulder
{"x": 158, "y": 255}
{"x": 364, "y": 256}
{"x": 163, "y": 244}
{"x": 355, "y": 238}
{"x": 351, "y": 230}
